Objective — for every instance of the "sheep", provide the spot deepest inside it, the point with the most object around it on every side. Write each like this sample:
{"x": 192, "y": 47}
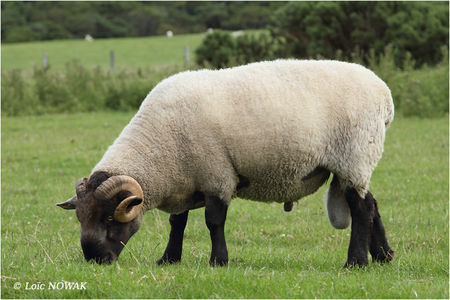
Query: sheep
{"x": 267, "y": 131}
{"x": 237, "y": 33}
{"x": 88, "y": 38}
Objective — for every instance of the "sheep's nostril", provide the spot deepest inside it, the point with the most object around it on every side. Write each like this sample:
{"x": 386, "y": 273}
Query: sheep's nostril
{"x": 108, "y": 258}
{"x": 103, "y": 259}
{"x": 96, "y": 251}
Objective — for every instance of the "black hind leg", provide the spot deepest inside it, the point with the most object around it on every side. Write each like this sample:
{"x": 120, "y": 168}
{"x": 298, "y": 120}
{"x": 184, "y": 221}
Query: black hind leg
{"x": 215, "y": 216}
{"x": 362, "y": 212}
{"x": 379, "y": 247}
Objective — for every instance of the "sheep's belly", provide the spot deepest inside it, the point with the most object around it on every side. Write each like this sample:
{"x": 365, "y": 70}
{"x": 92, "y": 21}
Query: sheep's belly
{"x": 270, "y": 189}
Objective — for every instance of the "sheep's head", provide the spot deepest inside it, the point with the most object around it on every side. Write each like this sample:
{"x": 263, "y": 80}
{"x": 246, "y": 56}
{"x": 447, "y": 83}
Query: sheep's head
{"x": 110, "y": 210}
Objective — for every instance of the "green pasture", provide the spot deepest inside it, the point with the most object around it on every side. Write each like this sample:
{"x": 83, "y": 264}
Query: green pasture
{"x": 273, "y": 254}
{"x": 130, "y": 53}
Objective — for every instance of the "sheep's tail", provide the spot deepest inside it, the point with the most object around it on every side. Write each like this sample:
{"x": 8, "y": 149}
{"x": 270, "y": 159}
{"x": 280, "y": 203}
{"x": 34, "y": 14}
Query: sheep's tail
{"x": 389, "y": 108}
{"x": 336, "y": 206}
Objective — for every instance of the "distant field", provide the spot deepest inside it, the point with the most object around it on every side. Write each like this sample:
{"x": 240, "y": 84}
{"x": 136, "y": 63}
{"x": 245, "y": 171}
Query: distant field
{"x": 130, "y": 53}
{"x": 273, "y": 254}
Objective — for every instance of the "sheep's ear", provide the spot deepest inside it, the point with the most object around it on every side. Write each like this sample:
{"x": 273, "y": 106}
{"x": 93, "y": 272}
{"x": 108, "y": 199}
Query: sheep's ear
{"x": 69, "y": 204}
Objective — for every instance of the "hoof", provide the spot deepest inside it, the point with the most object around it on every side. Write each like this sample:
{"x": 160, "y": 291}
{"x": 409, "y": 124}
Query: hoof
{"x": 355, "y": 262}
{"x": 287, "y": 206}
{"x": 383, "y": 256}
{"x": 167, "y": 261}
{"x": 218, "y": 262}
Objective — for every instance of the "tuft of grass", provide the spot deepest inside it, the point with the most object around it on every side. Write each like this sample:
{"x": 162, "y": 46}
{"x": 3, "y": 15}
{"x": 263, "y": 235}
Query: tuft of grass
{"x": 273, "y": 254}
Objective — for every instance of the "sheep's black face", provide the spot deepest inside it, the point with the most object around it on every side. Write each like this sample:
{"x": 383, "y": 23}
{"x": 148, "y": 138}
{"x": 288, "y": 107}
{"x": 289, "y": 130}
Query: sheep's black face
{"x": 105, "y": 245}
{"x": 102, "y": 236}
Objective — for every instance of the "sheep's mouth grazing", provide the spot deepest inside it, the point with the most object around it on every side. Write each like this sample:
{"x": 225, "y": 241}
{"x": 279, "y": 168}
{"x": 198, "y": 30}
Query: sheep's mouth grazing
{"x": 108, "y": 259}
{"x": 94, "y": 251}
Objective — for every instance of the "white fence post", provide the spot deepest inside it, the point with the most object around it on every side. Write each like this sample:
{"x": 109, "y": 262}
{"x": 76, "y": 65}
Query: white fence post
{"x": 111, "y": 60}
{"x": 186, "y": 56}
{"x": 45, "y": 61}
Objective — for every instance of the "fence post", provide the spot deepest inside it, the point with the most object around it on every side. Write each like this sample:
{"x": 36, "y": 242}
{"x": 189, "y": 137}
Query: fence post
{"x": 111, "y": 60}
{"x": 186, "y": 56}
{"x": 45, "y": 61}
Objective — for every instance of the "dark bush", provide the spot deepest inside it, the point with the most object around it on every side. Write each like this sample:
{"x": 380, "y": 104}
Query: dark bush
{"x": 220, "y": 49}
{"x": 311, "y": 29}
{"x": 145, "y": 21}
{"x": 250, "y": 48}
{"x": 216, "y": 50}
{"x": 20, "y": 34}
{"x": 244, "y": 16}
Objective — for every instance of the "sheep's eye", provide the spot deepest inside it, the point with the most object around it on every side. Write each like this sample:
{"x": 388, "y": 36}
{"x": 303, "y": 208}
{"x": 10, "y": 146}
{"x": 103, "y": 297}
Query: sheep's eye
{"x": 110, "y": 219}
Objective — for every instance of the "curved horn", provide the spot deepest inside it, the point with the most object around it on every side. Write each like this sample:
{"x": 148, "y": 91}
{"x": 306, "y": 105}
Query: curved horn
{"x": 80, "y": 187}
{"x": 130, "y": 207}
{"x": 115, "y": 184}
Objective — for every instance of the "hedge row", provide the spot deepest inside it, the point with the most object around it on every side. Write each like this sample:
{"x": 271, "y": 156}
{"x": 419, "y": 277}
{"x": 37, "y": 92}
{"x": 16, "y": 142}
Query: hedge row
{"x": 77, "y": 89}
{"x": 422, "y": 92}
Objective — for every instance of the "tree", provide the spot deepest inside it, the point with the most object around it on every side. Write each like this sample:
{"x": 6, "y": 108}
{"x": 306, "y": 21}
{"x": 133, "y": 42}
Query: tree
{"x": 217, "y": 49}
{"x": 145, "y": 21}
{"x": 311, "y": 29}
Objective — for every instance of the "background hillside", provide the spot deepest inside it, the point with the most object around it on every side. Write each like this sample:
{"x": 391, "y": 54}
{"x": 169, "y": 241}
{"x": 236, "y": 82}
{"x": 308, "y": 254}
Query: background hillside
{"x": 405, "y": 43}
{"x": 31, "y": 21}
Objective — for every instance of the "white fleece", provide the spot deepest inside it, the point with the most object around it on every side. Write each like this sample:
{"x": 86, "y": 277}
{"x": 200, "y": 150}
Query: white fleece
{"x": 270, "y": 122}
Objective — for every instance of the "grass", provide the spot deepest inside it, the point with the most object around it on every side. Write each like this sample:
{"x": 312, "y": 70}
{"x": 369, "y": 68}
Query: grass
{"x": 130, "y": 53}
{"x": 273, "y": 254}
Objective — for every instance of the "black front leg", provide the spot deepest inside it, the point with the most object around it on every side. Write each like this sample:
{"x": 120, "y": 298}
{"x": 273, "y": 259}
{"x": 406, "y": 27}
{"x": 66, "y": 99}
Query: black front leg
{"x": 175, "y": 245}
{"x": 362, "y": 212}
{"x": 215, "y": 215}
{"x": 379, "y": 247}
